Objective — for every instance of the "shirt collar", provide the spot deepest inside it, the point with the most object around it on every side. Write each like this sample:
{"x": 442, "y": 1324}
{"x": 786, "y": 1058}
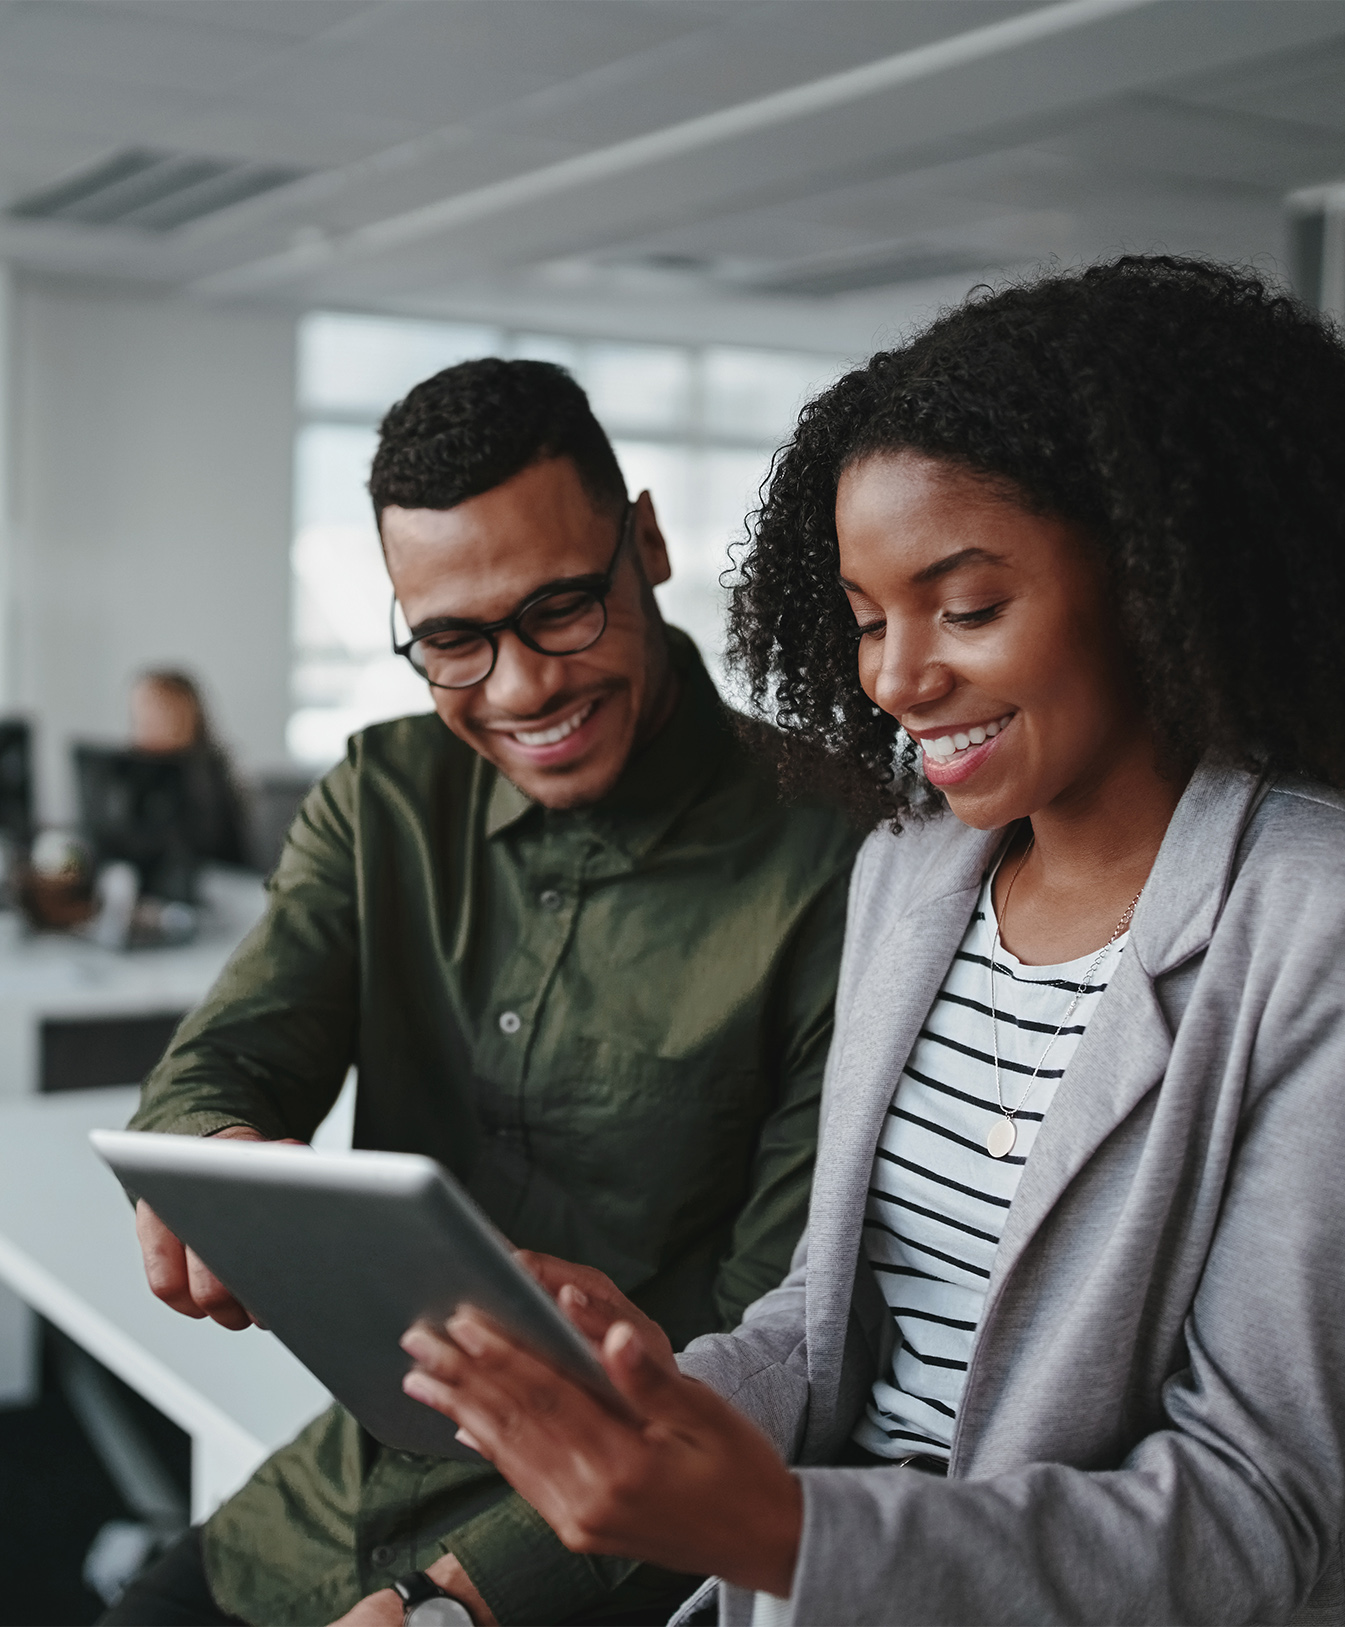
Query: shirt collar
{"x": 506, "y": 806}
{"x": 659, "y": 781}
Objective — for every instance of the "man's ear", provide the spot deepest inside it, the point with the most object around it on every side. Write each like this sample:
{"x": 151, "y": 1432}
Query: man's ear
{"x": 649, "y": 543}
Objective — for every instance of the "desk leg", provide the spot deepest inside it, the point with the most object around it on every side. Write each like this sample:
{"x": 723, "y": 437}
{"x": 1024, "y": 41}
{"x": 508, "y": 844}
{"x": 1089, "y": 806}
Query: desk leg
{"x": 20, "y": 1372}
{"x": 219, "y": 1466}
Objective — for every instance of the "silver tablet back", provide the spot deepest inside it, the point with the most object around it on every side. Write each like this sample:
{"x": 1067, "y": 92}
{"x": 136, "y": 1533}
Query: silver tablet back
{"x": 338, "y": 1254}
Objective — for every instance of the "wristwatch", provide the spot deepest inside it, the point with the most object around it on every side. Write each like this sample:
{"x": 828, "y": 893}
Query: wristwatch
{"x": 427, "y": 1605}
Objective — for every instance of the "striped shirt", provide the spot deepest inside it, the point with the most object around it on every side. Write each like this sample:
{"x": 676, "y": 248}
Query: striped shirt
{"x": 937, "y": 1200}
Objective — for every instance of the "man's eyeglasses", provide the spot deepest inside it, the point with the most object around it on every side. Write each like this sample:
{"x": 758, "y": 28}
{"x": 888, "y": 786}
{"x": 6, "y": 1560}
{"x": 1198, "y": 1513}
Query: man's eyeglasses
{"x": 560, "y": 618}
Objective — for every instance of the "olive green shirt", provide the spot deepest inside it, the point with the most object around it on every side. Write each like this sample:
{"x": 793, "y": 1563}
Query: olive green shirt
{"x": 610, "y": 1022}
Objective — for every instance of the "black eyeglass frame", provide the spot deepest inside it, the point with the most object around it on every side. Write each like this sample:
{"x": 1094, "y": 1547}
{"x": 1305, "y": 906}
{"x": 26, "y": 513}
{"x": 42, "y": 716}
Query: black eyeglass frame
{"x": 597, "y": 585}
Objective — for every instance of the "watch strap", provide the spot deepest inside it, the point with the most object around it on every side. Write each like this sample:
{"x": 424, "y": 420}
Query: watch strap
{"x": 415, "y": 1587}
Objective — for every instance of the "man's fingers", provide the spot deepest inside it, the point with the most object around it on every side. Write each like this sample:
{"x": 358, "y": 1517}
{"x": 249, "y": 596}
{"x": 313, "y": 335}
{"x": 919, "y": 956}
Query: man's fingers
{"x": 211, "y": 1297}
{"x": 179, "y": 1277}
{"x": 381, "y": 1609}
{"x": 165, "y": 1262}
{"x": 592, "y": 1320}
{"x": 593, "y": 1302}
{"x": 554, "y": 1274}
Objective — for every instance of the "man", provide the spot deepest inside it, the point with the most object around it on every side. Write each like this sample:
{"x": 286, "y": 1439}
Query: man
{"x": 578, "y": 951}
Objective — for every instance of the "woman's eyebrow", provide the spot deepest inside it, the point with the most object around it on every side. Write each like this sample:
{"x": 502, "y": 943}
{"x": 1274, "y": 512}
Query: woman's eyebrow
{"x": 953, "y": 562}
{"x": 940, "y": 567}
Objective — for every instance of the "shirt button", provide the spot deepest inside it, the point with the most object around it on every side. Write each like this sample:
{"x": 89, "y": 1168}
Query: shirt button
{"x": 550, "y": 899}
{"x": 383, "y": 1555}
{"x": 510, "y": 1022}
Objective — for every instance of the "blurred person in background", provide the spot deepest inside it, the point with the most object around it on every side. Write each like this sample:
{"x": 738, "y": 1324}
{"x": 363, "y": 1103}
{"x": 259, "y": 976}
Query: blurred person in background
{"x": 580, "y": 951}
{"x": 169, "y": 718}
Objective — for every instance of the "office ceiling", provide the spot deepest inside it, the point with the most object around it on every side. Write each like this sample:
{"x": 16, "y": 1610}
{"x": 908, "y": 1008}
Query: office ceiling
{"x": 780, "y": 171}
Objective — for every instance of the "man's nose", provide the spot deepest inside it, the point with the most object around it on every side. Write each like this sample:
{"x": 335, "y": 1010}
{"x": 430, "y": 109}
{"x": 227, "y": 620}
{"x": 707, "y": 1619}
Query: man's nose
{"x": 523, "y": 680}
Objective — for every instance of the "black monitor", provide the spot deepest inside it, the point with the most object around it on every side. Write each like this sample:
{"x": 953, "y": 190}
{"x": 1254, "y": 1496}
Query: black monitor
{"x": 16, "y": 781}
{"x": 134, "y": 806}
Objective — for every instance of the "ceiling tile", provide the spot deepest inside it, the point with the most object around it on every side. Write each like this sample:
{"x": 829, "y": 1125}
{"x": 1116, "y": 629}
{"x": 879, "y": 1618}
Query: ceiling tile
{"x": 1160, "y": 137}
{"x": 168, "y": 51}
{"x": 449, "y": 61}
{"x": 1299, "y": 87}
{"x": 289, "y": 19}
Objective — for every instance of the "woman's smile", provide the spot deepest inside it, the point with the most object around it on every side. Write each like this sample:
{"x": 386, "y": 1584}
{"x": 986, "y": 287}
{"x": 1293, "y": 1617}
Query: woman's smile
{"x": 955, "y": 754}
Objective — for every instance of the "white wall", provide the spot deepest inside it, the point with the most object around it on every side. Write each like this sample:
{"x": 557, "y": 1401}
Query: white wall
{"x": 152, "y": 451}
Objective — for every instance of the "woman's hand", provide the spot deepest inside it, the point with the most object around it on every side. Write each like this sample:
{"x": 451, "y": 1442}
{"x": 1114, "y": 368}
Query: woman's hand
{"x": 685, "y": 1482}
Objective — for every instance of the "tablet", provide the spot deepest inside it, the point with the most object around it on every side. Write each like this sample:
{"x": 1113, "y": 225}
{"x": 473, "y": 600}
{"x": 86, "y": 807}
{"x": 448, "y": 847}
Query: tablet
{"x": 338, "y": 1254}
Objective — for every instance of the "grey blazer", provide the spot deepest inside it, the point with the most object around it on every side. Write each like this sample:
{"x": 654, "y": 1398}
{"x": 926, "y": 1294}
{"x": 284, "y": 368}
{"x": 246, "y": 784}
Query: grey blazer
{"x": 1153, "y": 1422}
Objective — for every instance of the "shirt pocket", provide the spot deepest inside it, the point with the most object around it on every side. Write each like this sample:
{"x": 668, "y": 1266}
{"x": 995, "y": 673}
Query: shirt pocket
{"x": 658, "y": 1139}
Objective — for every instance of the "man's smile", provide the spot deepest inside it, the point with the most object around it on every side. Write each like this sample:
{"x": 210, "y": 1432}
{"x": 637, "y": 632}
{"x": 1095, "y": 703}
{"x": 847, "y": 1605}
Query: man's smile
{"x": 557, "y": 732}
{"x": 561, "y": 739}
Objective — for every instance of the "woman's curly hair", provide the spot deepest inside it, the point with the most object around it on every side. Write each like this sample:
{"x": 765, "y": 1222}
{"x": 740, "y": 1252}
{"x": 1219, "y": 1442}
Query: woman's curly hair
{"x": 1186, "y": 416}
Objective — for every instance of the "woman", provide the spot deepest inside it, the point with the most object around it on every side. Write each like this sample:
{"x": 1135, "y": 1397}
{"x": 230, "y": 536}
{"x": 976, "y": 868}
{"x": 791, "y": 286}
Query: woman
{"x": 1066, "y": 1339}
{"x": 169, "y": 718}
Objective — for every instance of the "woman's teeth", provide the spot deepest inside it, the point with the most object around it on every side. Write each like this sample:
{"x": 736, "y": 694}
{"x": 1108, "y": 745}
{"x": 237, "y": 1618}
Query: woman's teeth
{"x": 553, "y": 736}
{"x": 947, "y": 746}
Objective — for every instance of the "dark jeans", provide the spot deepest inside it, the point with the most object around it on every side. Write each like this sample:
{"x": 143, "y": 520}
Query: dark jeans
{"x": 173, "y": 1592}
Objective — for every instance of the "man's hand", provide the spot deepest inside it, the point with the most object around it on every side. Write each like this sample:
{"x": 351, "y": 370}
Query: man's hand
{"x": 688, "y": 1483}
{"x": 595, "y": 1304}
{"x": 384, "y": 1608}
{"x": 381, "y": 1609}
{"x": 177, "y": 1275}
{"x": 453, "y": 1579}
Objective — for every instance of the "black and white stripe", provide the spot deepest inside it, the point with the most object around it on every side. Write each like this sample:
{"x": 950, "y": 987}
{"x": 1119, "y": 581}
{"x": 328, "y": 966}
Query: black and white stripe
{"x": 937, "y": 1200}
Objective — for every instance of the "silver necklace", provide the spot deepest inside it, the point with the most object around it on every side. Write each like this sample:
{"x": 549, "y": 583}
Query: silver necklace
{"x": 1002, "y": 1135}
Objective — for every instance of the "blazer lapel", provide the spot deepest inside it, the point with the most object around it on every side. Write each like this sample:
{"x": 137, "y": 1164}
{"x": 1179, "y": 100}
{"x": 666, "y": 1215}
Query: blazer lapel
{"x": 1124, "y": 1052}
{"x": 1121, "y": 1057}
{"x": 890, "y": 1003}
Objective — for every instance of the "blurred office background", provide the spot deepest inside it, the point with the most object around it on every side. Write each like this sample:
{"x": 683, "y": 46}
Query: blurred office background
{"x": 232, "y": 232}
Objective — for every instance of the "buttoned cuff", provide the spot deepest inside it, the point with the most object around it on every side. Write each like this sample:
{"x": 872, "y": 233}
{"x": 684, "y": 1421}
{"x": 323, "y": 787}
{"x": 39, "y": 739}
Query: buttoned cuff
{"x": 522, "y": 1569}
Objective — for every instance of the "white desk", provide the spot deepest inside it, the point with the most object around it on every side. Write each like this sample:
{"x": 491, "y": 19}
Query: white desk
{"x": 56, "y": 975}
{"x": 67, "y": 1246}
{"x": 49, "y": 975}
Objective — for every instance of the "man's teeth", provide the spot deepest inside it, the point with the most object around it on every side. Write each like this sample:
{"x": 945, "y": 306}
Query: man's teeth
{"x": 553, "y": 736}
{"x": 947, "y": 746}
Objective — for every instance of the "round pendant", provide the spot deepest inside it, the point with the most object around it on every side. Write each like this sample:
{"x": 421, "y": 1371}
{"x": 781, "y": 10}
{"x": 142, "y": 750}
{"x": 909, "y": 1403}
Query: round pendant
{"x": 1000, "y": 1137}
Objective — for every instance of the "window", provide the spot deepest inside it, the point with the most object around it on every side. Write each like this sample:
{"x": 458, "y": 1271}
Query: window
{"x": 696, "y": 425}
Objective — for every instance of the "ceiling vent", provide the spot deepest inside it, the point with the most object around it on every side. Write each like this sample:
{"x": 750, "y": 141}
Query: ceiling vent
{"x": 153, "y": 190}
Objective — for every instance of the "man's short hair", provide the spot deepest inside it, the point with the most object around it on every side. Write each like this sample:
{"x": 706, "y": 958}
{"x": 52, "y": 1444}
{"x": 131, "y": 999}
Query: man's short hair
{"x": 474, "y": 426}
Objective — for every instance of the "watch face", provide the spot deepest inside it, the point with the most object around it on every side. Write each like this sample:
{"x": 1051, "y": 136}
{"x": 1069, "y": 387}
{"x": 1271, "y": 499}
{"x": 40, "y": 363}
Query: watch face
{"x": 438, "y": 1612}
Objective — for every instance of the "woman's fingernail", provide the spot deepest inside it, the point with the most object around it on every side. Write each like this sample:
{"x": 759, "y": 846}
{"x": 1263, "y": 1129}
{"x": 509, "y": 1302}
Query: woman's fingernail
{"x": 414, "y": 1384}
{"x": 463, "y": 1331}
